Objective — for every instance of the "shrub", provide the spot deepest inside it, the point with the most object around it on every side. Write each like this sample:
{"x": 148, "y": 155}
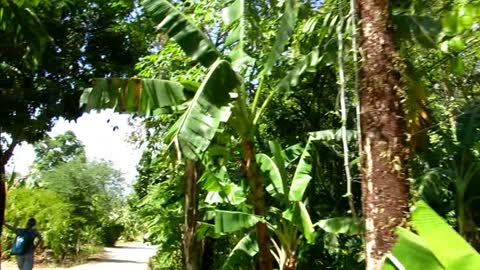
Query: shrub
{"x": 50, "y": 211}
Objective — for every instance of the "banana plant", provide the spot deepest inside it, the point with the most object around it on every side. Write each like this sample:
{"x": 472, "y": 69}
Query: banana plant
{"x": 436, "y": 246}
{"x": 288, "y": 227}
{"x": 288, "y": 219}
{"x": 195, "y": 129}
{"x": 459, "y": 173}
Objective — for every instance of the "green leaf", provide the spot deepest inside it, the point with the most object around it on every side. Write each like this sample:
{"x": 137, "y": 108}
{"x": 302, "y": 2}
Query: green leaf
{"x": 268, "y": 166}
{"x": 233, "y": 12}
{"x": 231, "y": 221}
{"x": 306, "y": 62}
{"x": 292, "y": 153}
{"x": 210, "y": 182}
{"x": 412, "y": 252}
{"x": 205, "y": 230}
{"x": 423, "y": 29}
{"x": 456, "y": 44}
{"x": 247, "y": 244}
{"x": 307, "y": 226}
{"x": 190, "y": 38}
{"x": 239, "y": 58}
{"x": 235, "y": 15}
{"x": 285, "y": 30}
{"x": 457, "y": 65}
{"x": 278, "y": 154}
{"x": 28, "y": 26}
{"x": 339, "y": 225}
{"x": 133, "y": 95}
{"x": 448, "y": 246}
{"x": 210, "y": 106}
{"x": 233, "y": 37}
{"x": 332, "y": 135}
{"x": 301, "y": 177}
{"x": 449, "y": 23}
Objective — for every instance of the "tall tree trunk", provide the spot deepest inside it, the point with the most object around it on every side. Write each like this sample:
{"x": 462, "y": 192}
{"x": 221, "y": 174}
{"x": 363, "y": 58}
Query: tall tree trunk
{"x": 192, "y": 247}
{"x": 4, "y": 158}
{"x": 385, "y": 190}
{"x": 257, "y": 198}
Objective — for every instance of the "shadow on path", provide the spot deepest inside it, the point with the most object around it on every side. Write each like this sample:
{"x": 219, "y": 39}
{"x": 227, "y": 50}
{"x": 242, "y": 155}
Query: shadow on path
{"x": 128, "y": 256}
{"x": 112, "y": 261}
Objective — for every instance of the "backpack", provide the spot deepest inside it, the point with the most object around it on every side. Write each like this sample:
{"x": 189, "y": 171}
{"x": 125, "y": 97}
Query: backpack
{"x": 22, "y": 242}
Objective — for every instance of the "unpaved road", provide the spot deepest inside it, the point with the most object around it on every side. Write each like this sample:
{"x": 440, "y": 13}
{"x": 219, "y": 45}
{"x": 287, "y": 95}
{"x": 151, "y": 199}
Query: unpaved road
{"x": 129, "y": 256}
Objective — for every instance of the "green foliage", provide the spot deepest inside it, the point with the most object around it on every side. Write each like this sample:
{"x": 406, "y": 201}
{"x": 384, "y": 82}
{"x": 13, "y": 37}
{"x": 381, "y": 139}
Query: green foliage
{"x": 288, "y": 48}
{"x": 177, "y": 26}
{"x": 339, "y": 225}
{"x": 161, "y": 223}
{"x": 51, "y": 49}
{"x": 286, "y": 29}
{"x": 92, "y": 193}
{"x": 143, "y": 96}
{"x": 230, "y": 221}
{"x": 210, "y": 106}
{"x": 247, "y": 245}
{"x": 52, "y": 152}
{"x": 197, "y": 127}
{"x": 53, "y": 215}
{"x": 432, "y": 247}
{"x": 302, "y": 177}
{"x": 110, "y": 233}
{"x": 18, "y": 19}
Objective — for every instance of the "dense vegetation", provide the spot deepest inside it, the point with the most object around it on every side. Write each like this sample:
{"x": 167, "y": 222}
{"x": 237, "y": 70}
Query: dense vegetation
{"x": 78, "y": 203}
{"x": 294, "y": 134}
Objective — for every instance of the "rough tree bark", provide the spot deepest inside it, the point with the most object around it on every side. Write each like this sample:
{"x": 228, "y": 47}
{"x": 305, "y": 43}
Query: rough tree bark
{"x": 4, "y": 158}
{"x": 257, "y": 198}
{"x": 192, "y": 247}
{"x": 385, "y": 189}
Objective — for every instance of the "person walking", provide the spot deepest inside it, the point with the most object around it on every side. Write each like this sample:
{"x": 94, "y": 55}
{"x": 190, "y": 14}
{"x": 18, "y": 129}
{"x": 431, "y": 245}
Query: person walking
{"x": 24, "y": 245}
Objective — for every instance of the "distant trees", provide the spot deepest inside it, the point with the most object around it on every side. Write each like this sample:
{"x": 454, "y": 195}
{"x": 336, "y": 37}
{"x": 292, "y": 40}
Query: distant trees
{"x": 88, "y": 197}
{"x": 52, "y": 152}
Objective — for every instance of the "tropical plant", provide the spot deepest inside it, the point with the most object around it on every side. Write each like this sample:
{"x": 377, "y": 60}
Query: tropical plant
{"x": 431, "y": 247}
{"x": 244, "y": 79}
{"x": 288, "y": 217}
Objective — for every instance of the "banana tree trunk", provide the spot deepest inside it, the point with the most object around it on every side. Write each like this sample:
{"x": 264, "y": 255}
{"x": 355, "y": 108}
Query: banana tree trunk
{"x": 385, "y": 189}
{"x": 192, "y": 247}
{"x": 257, "y": 198}
{"x": 292, "y": 261}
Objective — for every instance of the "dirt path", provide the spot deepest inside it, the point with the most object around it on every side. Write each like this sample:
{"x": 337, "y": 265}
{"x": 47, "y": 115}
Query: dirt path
{"x": 129, "y": 256}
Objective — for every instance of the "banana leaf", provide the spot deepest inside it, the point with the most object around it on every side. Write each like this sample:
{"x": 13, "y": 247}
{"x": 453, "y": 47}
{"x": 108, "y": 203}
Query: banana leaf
{"x": 449, "y": 247}
{"x": 210, "y": 106}
{"x": 190, "y": 38}
{"x": 301, "y": 177}
{"x": 143, "y": 96}
{"x": 231, "y": 221}
{"x": 268, "y": 166}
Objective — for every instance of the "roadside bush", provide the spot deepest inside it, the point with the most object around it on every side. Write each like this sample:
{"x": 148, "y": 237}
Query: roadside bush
{"x": 50, "y": 211}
